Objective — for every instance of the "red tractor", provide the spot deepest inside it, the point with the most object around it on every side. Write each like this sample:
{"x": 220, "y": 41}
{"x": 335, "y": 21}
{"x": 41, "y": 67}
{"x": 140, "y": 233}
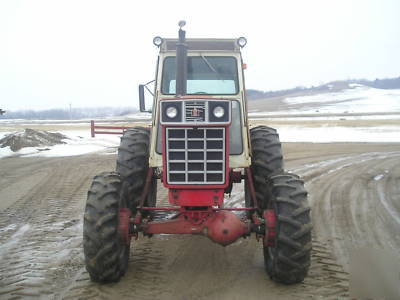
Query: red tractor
{"x": 198, "y": 145}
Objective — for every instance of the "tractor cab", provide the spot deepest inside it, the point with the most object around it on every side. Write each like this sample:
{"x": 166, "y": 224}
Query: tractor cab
{"x": 200, "y": 130}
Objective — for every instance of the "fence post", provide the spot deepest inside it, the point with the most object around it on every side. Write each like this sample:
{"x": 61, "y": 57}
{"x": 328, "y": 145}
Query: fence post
{"x": 92, "y": 128}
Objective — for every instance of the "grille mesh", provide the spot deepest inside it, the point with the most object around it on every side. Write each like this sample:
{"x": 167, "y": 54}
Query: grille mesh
{"x": 195, "y": 111}
{"x": 195, "y": 155}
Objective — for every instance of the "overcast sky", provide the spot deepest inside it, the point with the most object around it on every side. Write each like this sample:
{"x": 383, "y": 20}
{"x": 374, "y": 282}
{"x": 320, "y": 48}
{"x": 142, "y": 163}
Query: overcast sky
{"x": 95, "y": 53}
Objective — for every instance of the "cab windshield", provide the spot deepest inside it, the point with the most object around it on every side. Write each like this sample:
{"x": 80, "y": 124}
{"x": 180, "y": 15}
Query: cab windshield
{"x": 212, "y": 75}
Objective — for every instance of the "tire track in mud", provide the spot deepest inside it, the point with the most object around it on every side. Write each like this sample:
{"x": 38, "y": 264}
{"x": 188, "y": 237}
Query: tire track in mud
{"x": 144, "y": 273}
{"x": 43, "y": 230}
{"x": 191, "y": 267}
{"x": 146, "y": 270}
{"x": 357, "y": 194}
{"x": 46, "y": 257}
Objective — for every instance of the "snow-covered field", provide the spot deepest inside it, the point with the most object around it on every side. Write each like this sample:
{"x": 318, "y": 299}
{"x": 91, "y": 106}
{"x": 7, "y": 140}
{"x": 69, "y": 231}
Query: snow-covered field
{"x": 326, "y": 134}
{"x": 358, "y": 99}
{"x": 379, "y": 108}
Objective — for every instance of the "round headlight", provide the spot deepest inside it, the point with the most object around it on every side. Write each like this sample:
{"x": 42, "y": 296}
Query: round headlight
{"x": 157, "y": 41}
{"x": 219, "y": 111}
{"x": 171, "y": 112}
{"x": 242, "y": 42}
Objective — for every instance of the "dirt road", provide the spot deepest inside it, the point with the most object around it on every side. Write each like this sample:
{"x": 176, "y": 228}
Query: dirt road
{"x": 353, "y": 190}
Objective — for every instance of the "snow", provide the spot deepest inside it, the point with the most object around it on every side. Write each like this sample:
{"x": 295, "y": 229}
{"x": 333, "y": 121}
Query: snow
{"x": 360, "y": 99}
{"x": 4, "y": 152}
{"x": 339, "y": 134}
{"x": 79, "y": 142}
{"x": 3, "y": 134}
{"x": 140, "y": 116}
{"x": 307, "y": 117}
{"x": 13, "y": 240}
{"x": 354, "y": 85}
{"x": 356, "y": 103}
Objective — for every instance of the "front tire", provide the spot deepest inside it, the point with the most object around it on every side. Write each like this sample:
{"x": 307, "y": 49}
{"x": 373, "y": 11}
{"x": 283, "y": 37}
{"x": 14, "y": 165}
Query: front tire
{"x": 133, "y": 165}
{"x": 106, "y": 254}
{"x": 266, "y": 159}
{"x": 289, "y": 259}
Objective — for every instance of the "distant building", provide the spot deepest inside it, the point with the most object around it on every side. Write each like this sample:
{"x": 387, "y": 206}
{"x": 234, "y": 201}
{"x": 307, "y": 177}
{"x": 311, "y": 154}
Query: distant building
{"x": 2, "y": 112}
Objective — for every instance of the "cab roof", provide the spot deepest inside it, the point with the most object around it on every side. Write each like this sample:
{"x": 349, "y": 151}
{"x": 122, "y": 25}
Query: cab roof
{"x": 224, "y": 45}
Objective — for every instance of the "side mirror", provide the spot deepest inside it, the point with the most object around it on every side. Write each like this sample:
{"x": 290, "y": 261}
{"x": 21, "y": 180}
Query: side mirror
{"x": 141, "y": 98}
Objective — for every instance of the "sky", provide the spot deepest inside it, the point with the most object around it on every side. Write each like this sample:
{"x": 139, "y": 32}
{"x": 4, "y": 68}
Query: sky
{"x": 90, "y": 53}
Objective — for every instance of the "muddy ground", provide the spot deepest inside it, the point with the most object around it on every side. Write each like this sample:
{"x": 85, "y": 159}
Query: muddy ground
{"x": 354, "y": 190}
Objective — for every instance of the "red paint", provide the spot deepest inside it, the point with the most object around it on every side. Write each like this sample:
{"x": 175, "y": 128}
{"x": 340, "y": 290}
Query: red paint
{"x": 222, "y": 227}
{"x": 270, "y": 227}
{"x": 146, "y": 188}
{"x": 250, "y": 182}
{"x": 213, "y": 197}
{"x": 92, "y": 133}
{"x": 236, "y": 177}
{"x": 213, "y": 209}
{"x": 225, "y": 228}
{"x": 111, "y": 129}
{"x": 123, "y": 224}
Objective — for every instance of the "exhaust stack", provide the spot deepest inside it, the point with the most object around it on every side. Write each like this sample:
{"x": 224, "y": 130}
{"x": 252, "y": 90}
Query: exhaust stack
{"x": 181, "y": 62}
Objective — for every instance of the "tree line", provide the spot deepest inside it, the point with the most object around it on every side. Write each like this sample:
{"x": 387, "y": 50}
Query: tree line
{"x": 69, "y": 114}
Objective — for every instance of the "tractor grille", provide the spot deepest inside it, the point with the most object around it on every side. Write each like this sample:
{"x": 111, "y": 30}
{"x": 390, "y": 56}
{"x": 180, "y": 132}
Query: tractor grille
{"x": 195, "y": 111}
{"x": 195, "y": 155}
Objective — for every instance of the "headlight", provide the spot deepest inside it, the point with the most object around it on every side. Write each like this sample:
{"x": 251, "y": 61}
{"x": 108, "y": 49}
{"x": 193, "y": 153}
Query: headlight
{"x": 171, "y": 112}
{"x": 219, "y": 111}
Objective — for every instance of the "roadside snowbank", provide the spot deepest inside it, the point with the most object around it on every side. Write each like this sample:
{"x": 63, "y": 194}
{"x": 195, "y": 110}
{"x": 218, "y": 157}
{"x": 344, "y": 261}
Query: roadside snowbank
{"x": 79, "y": 142}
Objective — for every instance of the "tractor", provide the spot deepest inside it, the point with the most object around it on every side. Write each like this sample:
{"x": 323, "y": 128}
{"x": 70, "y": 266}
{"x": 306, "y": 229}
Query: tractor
{"x": 199, "y": 144}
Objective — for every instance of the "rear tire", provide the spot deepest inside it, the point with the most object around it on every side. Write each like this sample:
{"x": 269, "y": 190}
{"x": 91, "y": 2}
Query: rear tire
{"x": 266, "y": 159}
{"x": 106, "y": 254}
{"x": 133, "y": 165}
{"x": 289, "y": 259}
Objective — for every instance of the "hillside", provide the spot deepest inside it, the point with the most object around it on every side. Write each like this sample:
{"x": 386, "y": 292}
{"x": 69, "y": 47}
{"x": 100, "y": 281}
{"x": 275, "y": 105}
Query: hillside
{"x": 388, "y": 83}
